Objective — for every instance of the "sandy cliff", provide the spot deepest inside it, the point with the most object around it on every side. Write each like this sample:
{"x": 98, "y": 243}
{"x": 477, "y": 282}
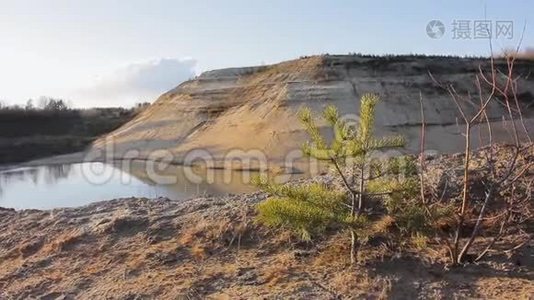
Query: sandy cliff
{"x": 254, "y": 108}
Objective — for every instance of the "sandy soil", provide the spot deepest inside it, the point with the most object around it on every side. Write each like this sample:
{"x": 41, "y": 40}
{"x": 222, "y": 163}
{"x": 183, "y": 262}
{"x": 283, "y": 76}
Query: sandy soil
{"x": 211, "y": 248}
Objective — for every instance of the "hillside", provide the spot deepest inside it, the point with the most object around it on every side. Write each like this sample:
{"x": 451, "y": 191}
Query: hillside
{"x": 254, "y": 108}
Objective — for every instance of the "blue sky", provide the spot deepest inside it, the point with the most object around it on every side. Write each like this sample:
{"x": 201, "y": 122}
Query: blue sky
{"x": 120, "y": 52}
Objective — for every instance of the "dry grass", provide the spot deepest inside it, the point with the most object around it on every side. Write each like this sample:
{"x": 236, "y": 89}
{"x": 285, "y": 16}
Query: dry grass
{"x": 335, "y": 252}
{"x": 278, "y": 269}
{"x": 198, "y": 252}
{"x": 419, "y": 241}
{"x": 360, "y": 284}
{"x": 375, "y": 253}
{"x": 223, "y": 230}
{"x": 191, "y": 234}
{"x": 65, "y": 241}
{"x": 30, "y": 247}
{"x": 383, "y": 225}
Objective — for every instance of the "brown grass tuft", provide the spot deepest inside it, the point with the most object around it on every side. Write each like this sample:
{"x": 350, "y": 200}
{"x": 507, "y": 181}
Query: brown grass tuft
{"x": 359, "y": 284}
{"x": 383, "y": 225}
{"x": 30, "y": 247}
{"x": 279, "y": 269}
{"x": 335, "y": 253}
{"x": 65, "y": 241}
{"x": 198, "y": 252}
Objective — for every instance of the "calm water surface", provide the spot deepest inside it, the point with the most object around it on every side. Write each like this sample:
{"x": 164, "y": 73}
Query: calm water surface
{"x": 70, "y": 185}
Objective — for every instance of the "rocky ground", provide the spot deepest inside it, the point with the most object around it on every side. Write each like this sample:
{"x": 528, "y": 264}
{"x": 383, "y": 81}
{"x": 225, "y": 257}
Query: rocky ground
{"x": 211, "y": 248}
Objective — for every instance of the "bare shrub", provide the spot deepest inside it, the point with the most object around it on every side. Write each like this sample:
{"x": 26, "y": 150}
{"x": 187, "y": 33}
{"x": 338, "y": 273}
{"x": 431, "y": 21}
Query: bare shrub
{"x": 499, "y": 175}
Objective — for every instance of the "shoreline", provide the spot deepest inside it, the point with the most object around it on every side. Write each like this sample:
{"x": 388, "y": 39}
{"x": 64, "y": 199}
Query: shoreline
{"x": 80, "y": 157}
{"x": 212, "y": 247}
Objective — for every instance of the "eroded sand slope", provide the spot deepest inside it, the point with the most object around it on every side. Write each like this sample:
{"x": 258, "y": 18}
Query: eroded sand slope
{"x": 255, "y": 108}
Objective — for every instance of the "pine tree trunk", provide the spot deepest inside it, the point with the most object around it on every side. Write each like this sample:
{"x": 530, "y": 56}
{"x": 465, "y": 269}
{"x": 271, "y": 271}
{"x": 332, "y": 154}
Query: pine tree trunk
{"x": 353, "y": 204}
{"x": 361, "y": 189}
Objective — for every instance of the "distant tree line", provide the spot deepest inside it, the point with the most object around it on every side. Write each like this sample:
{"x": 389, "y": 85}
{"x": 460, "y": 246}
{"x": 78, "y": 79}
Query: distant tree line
{"x": 43, "y": 103}
{"x": 50, "y": 104}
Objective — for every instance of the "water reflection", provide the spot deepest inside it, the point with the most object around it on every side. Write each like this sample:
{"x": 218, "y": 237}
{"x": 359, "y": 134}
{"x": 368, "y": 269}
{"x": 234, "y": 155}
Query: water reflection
{"x": 53, "y": 173}
{"x": 68, "y": 185}
{"x": 49, "y": 175}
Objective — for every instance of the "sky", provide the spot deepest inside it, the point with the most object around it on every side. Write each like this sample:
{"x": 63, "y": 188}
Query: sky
{"x": 117, "y": 53}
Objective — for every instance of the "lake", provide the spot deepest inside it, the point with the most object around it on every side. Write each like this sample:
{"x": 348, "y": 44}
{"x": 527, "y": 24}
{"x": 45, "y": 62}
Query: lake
{"x": 70, "y": 185}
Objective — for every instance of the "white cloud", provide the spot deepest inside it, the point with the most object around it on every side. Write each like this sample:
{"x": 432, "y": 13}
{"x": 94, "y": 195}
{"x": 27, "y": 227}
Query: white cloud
{"x": 136, "y": 83}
